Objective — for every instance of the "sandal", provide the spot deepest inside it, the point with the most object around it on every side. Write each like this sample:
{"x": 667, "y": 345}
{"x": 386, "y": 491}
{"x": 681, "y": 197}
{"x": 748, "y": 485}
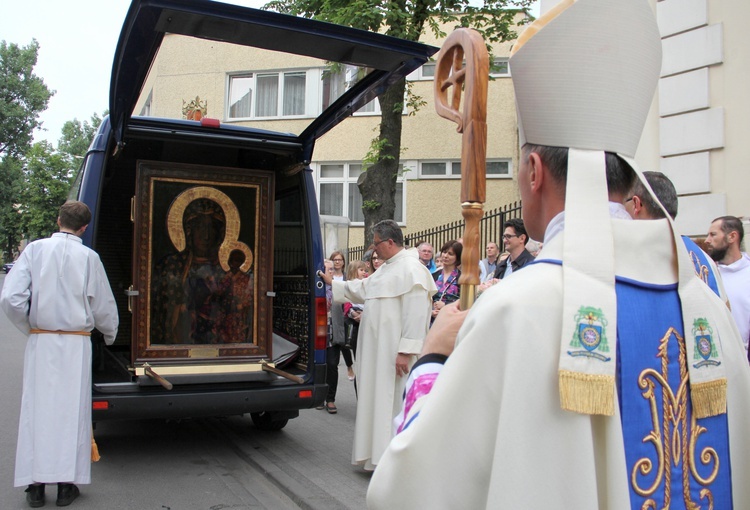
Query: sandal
{"x": 331, "y": 408}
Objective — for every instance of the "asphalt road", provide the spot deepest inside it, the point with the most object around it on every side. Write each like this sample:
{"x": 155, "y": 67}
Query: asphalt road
{"x": 203, "y": 464}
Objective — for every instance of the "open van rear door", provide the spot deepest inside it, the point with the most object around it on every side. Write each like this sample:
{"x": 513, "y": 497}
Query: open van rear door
{"x": 386, "y": 58}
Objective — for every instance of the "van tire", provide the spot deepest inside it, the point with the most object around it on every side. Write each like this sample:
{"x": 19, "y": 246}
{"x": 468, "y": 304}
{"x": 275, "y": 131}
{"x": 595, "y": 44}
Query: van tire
{"x": 268, "y": 421}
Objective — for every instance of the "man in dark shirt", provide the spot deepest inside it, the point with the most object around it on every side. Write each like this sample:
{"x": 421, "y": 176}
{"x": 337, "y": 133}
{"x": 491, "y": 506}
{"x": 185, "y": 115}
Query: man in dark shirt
{"x": 515, "y": 239}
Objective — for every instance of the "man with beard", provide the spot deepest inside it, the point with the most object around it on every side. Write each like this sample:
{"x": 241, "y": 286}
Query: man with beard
{"x": 723, "y": 244}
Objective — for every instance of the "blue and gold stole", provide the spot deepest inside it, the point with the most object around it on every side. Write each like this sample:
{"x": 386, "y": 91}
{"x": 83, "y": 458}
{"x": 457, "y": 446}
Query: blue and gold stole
{"x": 701, "y": 264}
{"x": 674, "y": 460}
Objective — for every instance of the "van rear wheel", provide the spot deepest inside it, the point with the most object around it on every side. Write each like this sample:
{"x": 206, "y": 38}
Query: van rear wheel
{"x": 268, "y": 421}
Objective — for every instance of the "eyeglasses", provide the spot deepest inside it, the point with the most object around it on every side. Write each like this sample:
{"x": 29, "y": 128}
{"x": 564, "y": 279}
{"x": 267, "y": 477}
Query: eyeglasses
{"x": 509, "y": 236}
{"x": 374, "y": 258}
{"x": 381, "y": 241}
{"x": 629, "y": 199}
{"x": 338, "y": 260}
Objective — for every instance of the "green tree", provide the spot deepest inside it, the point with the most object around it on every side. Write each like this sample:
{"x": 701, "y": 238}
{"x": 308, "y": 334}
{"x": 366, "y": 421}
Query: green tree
{"x": 11, "y": 184}
{"x": 47, "y": 176}
{"x": 77, "y": 136}
{"x": 23, "y": 97}
{"x": 494, "y": 19}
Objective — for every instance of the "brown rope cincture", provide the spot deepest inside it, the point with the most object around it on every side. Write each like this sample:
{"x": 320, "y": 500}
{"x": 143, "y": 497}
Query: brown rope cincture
{"x": 36, "y": 331}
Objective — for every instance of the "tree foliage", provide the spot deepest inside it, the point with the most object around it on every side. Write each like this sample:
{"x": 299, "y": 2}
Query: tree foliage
{"x": 11, "y": 184}
{"x": 77, "y": 136}
{"x": 47, "y": 178}
{"x": 405, "y": 19}
{"x": 24, "y": 96}
{"x": 34, "y": 179}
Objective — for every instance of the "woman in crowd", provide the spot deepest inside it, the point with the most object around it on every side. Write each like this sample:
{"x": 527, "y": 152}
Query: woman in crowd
{"x": 337, "y": 340}
{"x": 353, "y": 311}
{"x": 446, "y": 278}
{"x": 372, "y": 259}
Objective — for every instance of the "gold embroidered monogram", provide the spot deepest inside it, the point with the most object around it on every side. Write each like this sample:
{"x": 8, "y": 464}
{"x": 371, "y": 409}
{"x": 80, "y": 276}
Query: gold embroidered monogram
{"x": 673, "y": 440}
{"x": 701, "y": 270}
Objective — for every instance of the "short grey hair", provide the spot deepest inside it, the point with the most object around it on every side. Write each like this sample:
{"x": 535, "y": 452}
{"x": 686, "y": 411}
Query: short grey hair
{"x": 389, "y": 229}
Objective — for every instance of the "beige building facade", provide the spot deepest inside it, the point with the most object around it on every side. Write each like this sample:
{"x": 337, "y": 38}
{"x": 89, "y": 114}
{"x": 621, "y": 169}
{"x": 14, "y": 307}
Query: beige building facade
{"x": 696, "y": 132}
{"x": 281, "y": 92}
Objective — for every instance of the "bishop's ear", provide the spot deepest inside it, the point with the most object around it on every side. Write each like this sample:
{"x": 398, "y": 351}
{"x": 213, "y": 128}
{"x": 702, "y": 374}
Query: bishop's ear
{"x": 536, "y": 174}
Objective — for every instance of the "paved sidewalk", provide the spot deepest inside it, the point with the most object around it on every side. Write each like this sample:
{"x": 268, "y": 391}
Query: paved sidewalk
{"x": 310, "y": 459}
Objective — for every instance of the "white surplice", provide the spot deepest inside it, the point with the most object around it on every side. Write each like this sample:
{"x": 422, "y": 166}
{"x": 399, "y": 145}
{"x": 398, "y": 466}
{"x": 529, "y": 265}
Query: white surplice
{"x": 57, "y": 284}
{"x": 492, "y": 435}
{"x": 398, "y": 299}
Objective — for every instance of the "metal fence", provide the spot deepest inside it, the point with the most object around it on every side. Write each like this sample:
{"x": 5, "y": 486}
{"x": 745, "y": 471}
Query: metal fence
{"x": 490, "y": 229}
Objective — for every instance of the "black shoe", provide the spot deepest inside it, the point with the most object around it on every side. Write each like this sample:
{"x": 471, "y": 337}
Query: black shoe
{"x": 35, "y": 495}
{"x": 66, "y": 493}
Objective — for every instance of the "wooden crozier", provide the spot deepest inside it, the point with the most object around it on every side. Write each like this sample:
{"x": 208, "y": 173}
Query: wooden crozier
{"x": 466, "y": 45}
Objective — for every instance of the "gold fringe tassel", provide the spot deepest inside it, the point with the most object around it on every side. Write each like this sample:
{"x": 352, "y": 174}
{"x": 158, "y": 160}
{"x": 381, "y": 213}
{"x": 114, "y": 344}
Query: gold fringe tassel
{"x": 587, "y": 393}
{"x": 94, "y": 449}
{"x": 709, "y": 398}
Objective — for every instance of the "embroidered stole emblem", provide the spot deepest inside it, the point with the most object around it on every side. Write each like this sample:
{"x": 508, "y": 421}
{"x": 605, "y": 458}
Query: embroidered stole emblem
{"x": 705, "y": 348}
{"x": 590, "y": 339}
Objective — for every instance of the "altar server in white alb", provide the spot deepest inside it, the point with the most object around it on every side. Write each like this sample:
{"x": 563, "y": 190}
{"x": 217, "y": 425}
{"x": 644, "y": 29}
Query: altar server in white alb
{"x": 605, "y": 375}
{"x": 57, "y": 293}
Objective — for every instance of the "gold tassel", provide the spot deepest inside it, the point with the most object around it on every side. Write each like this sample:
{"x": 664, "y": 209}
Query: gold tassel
{"x": 587, "y": 393}
{"x": 94, "y": 449}
{"x": 709, "y": 398}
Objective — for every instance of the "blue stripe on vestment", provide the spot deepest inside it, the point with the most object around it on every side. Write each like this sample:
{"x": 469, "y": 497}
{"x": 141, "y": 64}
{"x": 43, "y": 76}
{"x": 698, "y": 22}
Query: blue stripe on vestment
{"x": 646, "y": 315}
{"x": 702, "y": 266}
{"x": 649, "y": 350}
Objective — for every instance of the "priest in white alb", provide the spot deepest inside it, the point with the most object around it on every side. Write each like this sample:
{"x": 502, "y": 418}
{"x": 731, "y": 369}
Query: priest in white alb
{"x": 57, "y": 293}
{"x": 396, "y": 317}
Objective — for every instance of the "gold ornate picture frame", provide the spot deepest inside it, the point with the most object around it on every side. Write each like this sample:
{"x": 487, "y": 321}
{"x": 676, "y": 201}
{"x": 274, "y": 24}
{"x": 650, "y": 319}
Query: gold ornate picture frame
{"x": 203, "y": 264}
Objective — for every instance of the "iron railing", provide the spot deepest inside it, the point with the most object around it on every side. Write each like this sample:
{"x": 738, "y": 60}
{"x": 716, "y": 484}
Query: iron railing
{"x": 490, "y": 229}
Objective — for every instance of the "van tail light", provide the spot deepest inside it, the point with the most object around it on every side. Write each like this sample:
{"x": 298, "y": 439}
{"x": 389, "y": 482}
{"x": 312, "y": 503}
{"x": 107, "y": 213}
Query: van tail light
{"x": 99, "y": 405}
{"x": 321, "y": 323}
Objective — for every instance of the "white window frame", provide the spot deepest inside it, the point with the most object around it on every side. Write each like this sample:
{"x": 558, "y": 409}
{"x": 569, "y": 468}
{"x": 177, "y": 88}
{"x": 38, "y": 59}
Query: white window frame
{"x": 312, "y": 101}
{"x": 504, "y": 72}
{"x": 374, "y": 111}
{"x": 453, "y": 168}
{"x": 427, "y": 71}
{"x": 349, "y": 179}
{"x": 314, "y": 91}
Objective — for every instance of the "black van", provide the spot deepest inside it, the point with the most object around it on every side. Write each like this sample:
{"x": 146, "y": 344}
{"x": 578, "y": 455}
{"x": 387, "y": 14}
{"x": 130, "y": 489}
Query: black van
{"x": 209, "y": 230}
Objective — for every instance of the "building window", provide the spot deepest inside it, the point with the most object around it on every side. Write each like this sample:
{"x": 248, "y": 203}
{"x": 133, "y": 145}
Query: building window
{"x": 338, "y": 80}
{"x": 452, "y": 169}
{"x": 426, "y": 72}
{"x": 338, "y": 194}
{"x": 371, "y": 108}
{"x": 498, "y": 68}
{"x": 262, "y": 95}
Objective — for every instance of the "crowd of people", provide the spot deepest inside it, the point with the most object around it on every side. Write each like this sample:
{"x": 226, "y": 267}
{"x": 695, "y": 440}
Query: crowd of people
{"x": 380, "y": 310}
{"x": 612, "y": 370}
